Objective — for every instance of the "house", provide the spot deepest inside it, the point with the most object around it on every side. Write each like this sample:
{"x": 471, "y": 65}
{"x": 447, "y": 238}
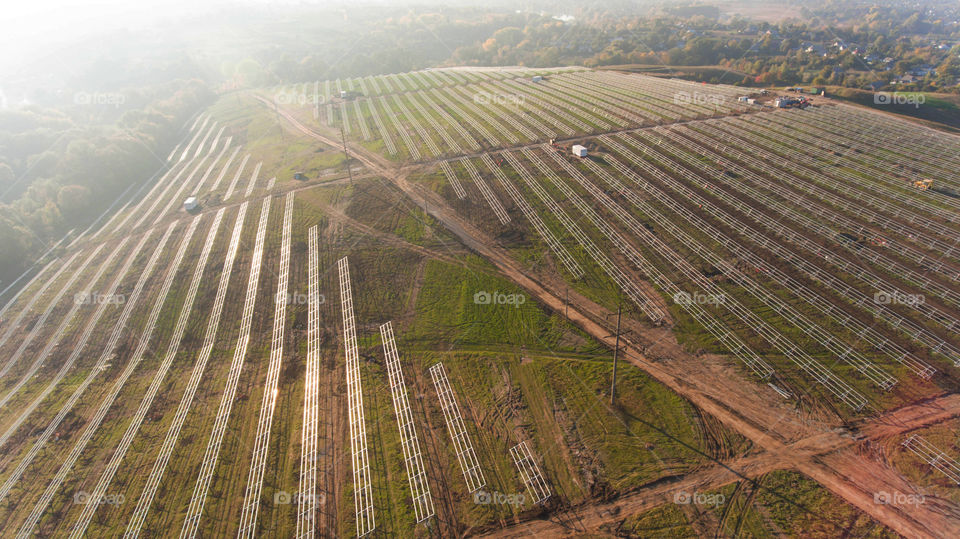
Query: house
{"x": 191, "y": 204}
{"x": 579, "y": 151}
{"x": 844, "y": 46}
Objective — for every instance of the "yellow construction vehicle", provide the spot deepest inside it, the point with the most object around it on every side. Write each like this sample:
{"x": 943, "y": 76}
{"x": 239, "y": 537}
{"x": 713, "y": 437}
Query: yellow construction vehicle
{"x": 924, "y": 184}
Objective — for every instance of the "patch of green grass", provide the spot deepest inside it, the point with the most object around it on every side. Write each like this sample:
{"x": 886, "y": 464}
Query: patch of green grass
{"x": 797, "y": 506}
{"x": 451, "y": 306}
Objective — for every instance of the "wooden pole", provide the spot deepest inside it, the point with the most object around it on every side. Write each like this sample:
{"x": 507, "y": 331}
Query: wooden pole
{"x": 616, "y": 349}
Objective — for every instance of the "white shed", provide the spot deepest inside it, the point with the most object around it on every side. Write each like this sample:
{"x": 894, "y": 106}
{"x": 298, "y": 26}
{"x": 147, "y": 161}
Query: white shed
{"x": 579, "y": 151}
{"x": 191, "y": 204}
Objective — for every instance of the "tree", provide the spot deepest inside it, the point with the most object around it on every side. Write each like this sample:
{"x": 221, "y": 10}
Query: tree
{"x": 73, "y": 201}
{"x": 249, "y": 72}
{"x": 509, "y": 36}
{"x": 42, "y": 165}
{"x": 7, "y": 178}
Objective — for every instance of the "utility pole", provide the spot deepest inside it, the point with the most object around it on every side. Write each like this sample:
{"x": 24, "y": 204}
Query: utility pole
{"x": 343, "y": 139}
{"x": 616, "y": 348}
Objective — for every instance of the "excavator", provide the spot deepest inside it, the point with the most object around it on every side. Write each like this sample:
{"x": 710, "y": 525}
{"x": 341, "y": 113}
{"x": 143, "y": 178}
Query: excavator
{"x": 923, "y": 184}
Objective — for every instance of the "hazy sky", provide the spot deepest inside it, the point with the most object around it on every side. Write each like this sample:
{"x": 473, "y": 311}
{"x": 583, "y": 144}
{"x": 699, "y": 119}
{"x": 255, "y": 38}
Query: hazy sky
{"x": 32, "y": 27}
{"x": 29, "y": 28}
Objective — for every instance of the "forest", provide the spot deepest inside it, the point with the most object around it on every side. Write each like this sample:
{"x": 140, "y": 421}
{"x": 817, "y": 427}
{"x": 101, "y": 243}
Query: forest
{"x": 60, "y": 168}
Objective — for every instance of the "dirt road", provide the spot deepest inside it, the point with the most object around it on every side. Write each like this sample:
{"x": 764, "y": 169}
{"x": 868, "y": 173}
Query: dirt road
{"x": 592, "y": 516}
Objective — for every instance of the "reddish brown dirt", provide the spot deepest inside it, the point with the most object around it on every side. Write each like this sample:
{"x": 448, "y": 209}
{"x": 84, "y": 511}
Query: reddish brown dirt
{"x": 912, "y": 417}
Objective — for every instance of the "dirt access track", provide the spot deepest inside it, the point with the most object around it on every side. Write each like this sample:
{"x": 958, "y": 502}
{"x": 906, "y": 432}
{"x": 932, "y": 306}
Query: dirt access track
{"x": 823, "y": 450}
